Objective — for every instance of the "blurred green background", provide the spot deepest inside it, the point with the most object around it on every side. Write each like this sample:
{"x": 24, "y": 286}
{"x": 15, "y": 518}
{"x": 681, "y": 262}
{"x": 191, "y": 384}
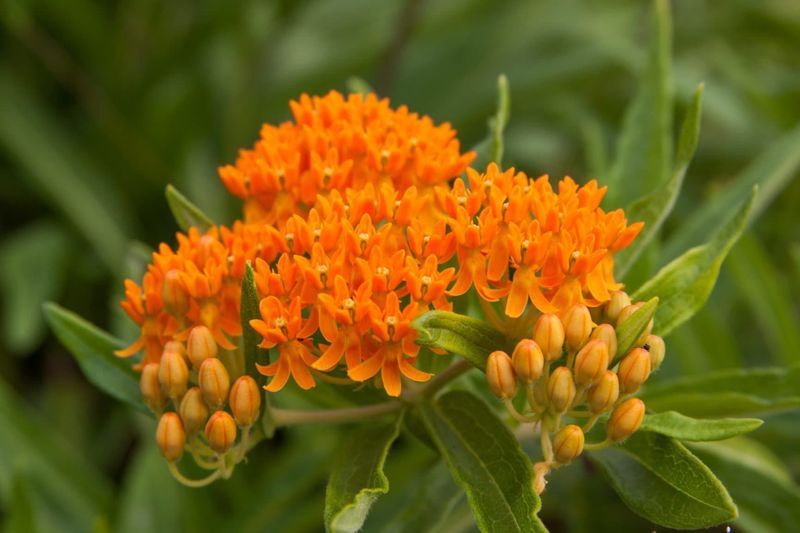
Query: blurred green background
{"x": 104, "y": 103}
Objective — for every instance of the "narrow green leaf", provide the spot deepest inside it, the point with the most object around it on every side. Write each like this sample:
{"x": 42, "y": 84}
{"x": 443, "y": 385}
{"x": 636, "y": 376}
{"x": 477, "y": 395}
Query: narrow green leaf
{"x": 486, "y": 460}
{"x": 358, "y": 479}
{"x": 490, "y": 150}
{"x": 662, "y": 481}
{"x": 653, "y": 208}
{"x": 684, "y": 285}
{"x": 681, "y": 427}
{"x": 93, "y": 349}
{"x": 186, "y": 214}
{"x": 632, "y": 328}
{"x": 250, "y": 337}
{"x": 727, "y": 393}
{"x": 468, "y": 337}
{"x": 358, "y": 85}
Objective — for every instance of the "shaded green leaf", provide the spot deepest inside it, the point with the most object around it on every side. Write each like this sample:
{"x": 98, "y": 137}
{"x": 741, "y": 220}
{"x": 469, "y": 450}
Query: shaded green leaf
{"x": 486, "y": 460}
{"x": 662, "y": 481}
{"x": 249, "y": 311}
{"x": 358, "y": 85}
{"x": 681, "y": 427}
{"x": 186, "y": 214}
{"x": 150, "y": 498}
{"x": 632, "y": 328}
{"x": 21, "y": 517}
{"x": 357, "y": 479}
{"x": 490, "y": 150}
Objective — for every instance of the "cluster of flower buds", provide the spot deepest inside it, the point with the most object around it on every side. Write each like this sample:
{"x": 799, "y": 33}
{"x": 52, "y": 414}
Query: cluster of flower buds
{"x": 571, "y": 372}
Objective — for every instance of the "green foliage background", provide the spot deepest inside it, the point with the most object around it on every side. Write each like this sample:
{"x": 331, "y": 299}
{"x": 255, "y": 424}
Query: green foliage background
{"x": 103, "y": 105}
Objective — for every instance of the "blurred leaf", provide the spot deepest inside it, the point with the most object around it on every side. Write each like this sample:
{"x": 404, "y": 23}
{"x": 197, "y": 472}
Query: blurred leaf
{"x": 250, "y": 337}
{"x": 485, "y": 459}
{"x": 93, "y": 349}
{"x": 468, "y": 337}
{"x": 681, "y": 427}
{"x": 20, "y": 517}
{"x": 729, "y": 392}
{"x": 683, "y": 286}
{"x": 358, "y": 85}
{"x": 358, "y": 479}
{"x": 660, "y": 480}
{"x": 186, "y": 214}
{"x": 654, "y": 207}
{"x": 150, "y": 498}
{"x": 632, "y": 328}
{"x": 490, "y": 150}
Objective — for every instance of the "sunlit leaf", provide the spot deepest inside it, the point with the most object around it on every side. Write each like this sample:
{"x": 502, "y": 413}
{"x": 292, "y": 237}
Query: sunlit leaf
{"x": 681, "y": 427}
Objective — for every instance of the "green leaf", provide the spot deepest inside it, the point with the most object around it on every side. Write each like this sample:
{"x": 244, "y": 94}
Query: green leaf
{"x": 632, "y": 328}
{"x": 186, "y": 214}
{"x": 683, "y": 286}
{"x": 660, "y": 480}
{"x": 21, "y": 517}
{"x": 681, "y": 427}
{"x": 358, "y": 85}
{"x": 250, "y": 337}
{"x": 490, "y": 150}
{"x": 93, "y": 349}
{"x": 358, "y": 479}
{"x": 486, "y": 460}
{"x": 468, "y": 337}
{"x": 728, "y": 392}
{"x": 653, "y": 208}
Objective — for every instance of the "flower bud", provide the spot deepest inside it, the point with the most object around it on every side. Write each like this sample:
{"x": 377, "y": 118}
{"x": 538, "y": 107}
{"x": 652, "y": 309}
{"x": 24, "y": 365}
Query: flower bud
{"x": 214, "y": 383}
{"x": 560, "y": 389}
{"x": 568, "y": 443}
{"x": 500, "y": 375}
{"x": 528, "y": 361}
{"x": 221, "y": 432}
{"x": 607, "y": 334}
{"x": 173, "y": 374}
{"x": 201, "y": 345}
{"x": 151, "y": 389}
{"x": 577, "y": 326}
{"x": 174, "y": 294}
{"x": 627, "y": 312}
{"x": 591, "y": 363}
{"x": 174, "y": 346}
{"x": 193, "y": 410}
{"x": 170, "y": 436}
{"x": 245, "y": 401}
{"x": 613, "y": 307}
{"x": 625, "y": 419}
{"x": 548, "y": 333}
{"x": 655, "y": 345}
{"x": 603, "y": 394}
{"x": 633, "y": 370}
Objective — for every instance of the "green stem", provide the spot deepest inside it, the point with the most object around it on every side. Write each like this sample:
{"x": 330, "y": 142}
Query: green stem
{"x": 295, "y": 417}
{"x": 517, "y": 415}
{"x": 194, "y": 483}
{"x": 598, "y": 445}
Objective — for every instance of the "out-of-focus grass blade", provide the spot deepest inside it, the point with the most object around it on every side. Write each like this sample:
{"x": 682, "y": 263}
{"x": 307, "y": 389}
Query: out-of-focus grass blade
{"x": 150, "y": 498}
{"x": 20, "y": 515}
{"x": 186, "y": 214}
{"x": 490, "y": 150}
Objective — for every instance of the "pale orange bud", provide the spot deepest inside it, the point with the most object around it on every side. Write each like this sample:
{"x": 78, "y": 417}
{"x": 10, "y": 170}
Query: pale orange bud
{"x": 568, "y": 443}
{"x": 591, "y": 363}
{"x": 633, "y": 370}
{"x": 201, "y": 345}
{"x": 221, "y": 432}
{"x": 577, "y": 326}
{"x": 173, "y": 374}
{"x": 214, "y": 382}
{"x": 549, "y": 335}
{"x": 560, "y": 389}
{"x": 627, "y": 312}
{"x": 625, "y": 419}
{"x": 151, "y": 389}
{"x": 193, "y": 410}
{"x": 528, "y": 360}
{"x": 174, "y": 294}
{"x": 245, "y": 401}
{"x": 500, "y": 375}
{"x": 613, "y": 307}
{"x": 607, "y": 334}
{"x": 655, "y": 345}
{"x": 174, "y": 346}
{"x": 170, "y": 436}
{"x": 603, "y": 394}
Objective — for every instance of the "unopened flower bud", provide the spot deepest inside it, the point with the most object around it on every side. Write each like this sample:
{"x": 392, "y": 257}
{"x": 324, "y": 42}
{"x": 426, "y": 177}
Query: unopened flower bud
{"x": 627, "y": 312}
{"x": 591, "y": 363}
{"x": 174, "y": 346}
{"x": 201, "y": 345}
{"x": 603, "y": 394}
{"x": 214, "y": 383}
{"x": 528, "y": 360}
{"x": 568, "y": 443}
{"x": 633, "y": 370}
{"x": 613, "y": 307}
{"x": 607, "y": 334}
{"x": 170, "y": 436}
{"x": 221, "y": 432}
{"x": 548, "y": 333}
{"x": 500, "y": 375}
{"x": 151, "y": 389}
{"x": 655, "y": 345}
{"x": 625, "y": 419}
{"x": 173, "y": 374}
{"x": 560, "y": 389}
{"x": 245, "y": 401}
{"x": 193, "y": 410}
{"x": 174, "y": 294}
{"x": 577, "y": 326}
